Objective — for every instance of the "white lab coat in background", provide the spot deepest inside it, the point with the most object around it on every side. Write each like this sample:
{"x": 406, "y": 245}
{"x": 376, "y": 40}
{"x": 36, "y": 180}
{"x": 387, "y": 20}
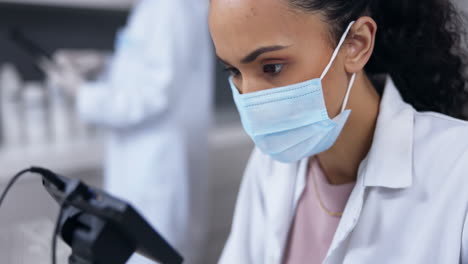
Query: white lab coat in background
{"x": 409, "y": 205}
{"x": 157, "y": 104}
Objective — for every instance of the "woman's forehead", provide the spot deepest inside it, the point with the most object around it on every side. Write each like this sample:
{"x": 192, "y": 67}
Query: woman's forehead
{"x": 248, "y": 6}
{"x": 238, "y": 12}
{"x": 240, "y": 26}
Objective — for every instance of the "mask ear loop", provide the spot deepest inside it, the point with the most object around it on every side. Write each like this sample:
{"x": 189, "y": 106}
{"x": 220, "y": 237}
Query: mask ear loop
{"x": 337, "y": 50}
{"x": 350, "y": 86}
{"x": 335, "y": 54}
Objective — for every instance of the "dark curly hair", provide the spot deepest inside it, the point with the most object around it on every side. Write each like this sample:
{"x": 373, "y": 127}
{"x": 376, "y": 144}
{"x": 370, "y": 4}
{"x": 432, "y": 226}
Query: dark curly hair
{"x": 418, "y": 43}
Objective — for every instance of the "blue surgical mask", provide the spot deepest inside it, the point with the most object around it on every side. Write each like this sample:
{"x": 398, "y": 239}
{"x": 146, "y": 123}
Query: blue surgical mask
{"x": 291, "y": 123}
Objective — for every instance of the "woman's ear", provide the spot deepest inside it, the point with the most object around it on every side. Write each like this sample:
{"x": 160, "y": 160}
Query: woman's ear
{"x": 360, "y": 45}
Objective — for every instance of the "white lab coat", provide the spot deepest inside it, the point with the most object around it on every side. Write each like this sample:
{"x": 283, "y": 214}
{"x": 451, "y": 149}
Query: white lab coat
{"x": 409, "y": 204}
{"x": 157, "y": 104}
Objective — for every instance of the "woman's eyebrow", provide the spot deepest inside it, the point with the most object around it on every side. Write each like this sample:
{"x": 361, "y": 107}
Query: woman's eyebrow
{"x": 255, "y": 54}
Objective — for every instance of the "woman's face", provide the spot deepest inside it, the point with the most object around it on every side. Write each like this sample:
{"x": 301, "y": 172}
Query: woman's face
{"x": 265, "y": 44}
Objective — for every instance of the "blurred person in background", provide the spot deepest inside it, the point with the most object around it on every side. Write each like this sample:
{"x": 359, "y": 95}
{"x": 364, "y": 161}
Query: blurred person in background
{"x": 356, "y": 109}
{"x": 156, "y": 103}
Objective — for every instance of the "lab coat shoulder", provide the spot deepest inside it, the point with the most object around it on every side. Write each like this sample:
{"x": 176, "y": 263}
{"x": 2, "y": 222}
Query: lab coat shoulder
{"x": 441, "y": 163}
{"x": 262, "y": 210}
{"x": 441, "y": 148}
{"x": 246, "y": 232}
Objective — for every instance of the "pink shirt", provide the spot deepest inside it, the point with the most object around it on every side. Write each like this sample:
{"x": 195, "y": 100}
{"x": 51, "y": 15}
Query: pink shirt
{"x": 313, "y": 228}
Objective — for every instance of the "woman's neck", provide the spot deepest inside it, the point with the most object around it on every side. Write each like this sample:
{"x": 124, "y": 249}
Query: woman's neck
{"x": 341, "y": 162}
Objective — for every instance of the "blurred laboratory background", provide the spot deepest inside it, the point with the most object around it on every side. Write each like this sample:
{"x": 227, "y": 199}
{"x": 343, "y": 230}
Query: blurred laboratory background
{"x": 39, "y": 126}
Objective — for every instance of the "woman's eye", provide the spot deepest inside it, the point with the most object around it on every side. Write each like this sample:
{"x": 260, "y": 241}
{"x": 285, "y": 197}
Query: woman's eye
{"x": 272, "y": 69}
{"x": 233, "y": 71}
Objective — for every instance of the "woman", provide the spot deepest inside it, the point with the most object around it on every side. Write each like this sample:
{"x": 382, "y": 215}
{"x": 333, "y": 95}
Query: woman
{"x": 352, "y": 106}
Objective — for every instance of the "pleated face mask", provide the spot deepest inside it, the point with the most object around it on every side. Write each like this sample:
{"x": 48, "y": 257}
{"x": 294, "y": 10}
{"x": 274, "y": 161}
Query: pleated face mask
{"x": 291, "y": 123}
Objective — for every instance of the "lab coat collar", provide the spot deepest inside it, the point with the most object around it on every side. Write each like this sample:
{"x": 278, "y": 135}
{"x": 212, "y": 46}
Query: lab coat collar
{"x": 389, "y": 162}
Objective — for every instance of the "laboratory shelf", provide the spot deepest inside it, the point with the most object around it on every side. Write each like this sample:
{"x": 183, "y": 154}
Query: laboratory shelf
{"x": 80, "y": 155}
